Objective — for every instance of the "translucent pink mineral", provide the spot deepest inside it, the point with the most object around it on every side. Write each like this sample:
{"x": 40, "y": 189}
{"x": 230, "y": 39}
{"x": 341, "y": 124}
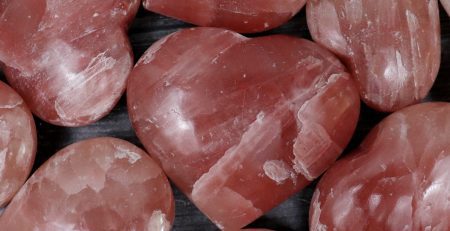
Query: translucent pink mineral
{"x": 241, "y": 124}
{"x": 97, "y": 184}
{"x": 398, "y": 179}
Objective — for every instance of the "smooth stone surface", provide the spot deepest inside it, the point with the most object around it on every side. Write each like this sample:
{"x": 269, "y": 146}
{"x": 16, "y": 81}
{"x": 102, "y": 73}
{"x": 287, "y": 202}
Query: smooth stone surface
{"x": 96, "y": 184}
{"x": 241, "y": 124}
{"x": 245, "y": 16}
{"x": 392, "y": 48}
{"x": 398, "y": 179}
{"x": 17, "y": 143}
{"x": 69, "y": 59}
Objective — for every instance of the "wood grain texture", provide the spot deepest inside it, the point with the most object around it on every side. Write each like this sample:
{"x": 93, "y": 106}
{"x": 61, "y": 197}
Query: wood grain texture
{"x": 289, "y": 216}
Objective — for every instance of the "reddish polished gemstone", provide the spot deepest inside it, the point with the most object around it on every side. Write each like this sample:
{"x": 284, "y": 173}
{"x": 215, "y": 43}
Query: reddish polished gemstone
{"x": 68, "y": 59}
{"x": 241, "y": 124}
{"x": 17, "y": 143}
{"x": 244, "y": 16}
{"x": 392, "y": 47}
{"x": 398, "y": 179}
{"x": 97, "y": 184}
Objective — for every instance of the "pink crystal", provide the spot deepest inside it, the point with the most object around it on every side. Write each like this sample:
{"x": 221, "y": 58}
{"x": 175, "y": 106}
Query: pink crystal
{"x": 241, "y": 124}
{"x": 244, "y": 16}
{"x": 97, "y": 184}
{"x": 68, "y": 59}
{"x": 392, "y": 47}
{"x": 398, "y": 179}
{"x": 17, "y": 143}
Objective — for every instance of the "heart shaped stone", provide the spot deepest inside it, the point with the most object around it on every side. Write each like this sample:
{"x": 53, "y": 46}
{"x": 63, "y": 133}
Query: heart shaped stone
{"x": 69, "y": 60}
{"x": 17, "y": 143}
{"x": 398, "y": 179}
{"x": 246, "y": 16}
{"x": 96, "y": 184}
{"x": 391, "y": 47}
{"x": 241, "y": 124}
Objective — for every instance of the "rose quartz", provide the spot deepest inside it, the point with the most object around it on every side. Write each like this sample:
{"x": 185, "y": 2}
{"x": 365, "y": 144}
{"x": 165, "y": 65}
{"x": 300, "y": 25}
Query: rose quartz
{"x": 446, "y": 5}
{"x": 241, "y": 124}
{"x": 244, "y": 16}
{"x": 398, "y": 179}
{"x": 68, "y": 59}
{"x": 97, "y": 184}
{"x": 392, "y": 47}
{"x": 17, "y": 143}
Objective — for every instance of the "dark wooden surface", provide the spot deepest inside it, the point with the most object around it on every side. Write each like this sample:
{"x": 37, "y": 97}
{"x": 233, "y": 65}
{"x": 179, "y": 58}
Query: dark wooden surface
{"x": 288, "y": 216}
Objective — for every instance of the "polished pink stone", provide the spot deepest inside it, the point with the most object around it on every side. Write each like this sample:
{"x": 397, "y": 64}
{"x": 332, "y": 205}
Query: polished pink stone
{"x": 17, "y": 143}
{"x": 244, "y": 16}
{"x": 69, "y": 59}
{"x": 398, "y": 179}
{"x": 241, "y": 124}
{"x": 97, "y": 184}
{"x": 392, "y": 47}
{"x": 446, "y": 5}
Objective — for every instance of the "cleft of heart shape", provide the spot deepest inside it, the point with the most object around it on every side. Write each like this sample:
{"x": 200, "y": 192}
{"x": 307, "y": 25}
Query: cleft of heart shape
{"x": 241, "y": 124}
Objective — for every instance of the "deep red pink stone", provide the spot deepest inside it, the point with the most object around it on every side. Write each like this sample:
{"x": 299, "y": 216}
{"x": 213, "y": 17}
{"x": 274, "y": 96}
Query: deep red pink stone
{"x": 17, "y": 143}
{"x": 69, "y": 59}
{"x": 241, "y": 124}
{"x": 97, "y": 184}
{"x": 398, "y": 179}
{"x": 392, "y": 47}
{"x": 245, "y": 16}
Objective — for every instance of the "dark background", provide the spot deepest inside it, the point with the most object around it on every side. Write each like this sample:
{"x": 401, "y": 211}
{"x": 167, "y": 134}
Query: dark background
{"x": 288, "y": 216}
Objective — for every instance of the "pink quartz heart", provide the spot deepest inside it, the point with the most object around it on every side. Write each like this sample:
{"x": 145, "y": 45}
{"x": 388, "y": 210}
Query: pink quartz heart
{"x": 241, "y": 124}
{"x": 17, "y": 143}
{"x": 391, "y": 47}
{"x": 69, "y": 59}
{"x": 97, "y": 184}
{"x": 244, "y": 16}
{"x": 398, "y": 179}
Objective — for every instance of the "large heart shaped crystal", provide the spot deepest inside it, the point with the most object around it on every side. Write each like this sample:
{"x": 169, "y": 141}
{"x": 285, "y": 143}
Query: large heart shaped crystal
{"x": 69, "y": 59}
{"x": 397, "y": 180}
{"x": 241, "y": 124}
{"x": 392, "y": 47}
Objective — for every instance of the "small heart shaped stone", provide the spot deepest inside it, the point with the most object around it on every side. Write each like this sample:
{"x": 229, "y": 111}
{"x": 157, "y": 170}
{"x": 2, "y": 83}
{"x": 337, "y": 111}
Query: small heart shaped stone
{"x": 69, "y": 60}
{"x": 392, "y": 48}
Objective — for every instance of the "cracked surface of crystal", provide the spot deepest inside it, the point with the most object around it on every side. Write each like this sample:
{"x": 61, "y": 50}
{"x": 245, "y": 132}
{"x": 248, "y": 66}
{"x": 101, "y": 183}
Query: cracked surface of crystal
{"x": 232, "y": 118}
{"x": 17, "y": 143}
{"x": 398, "y": 178}
{"x": 68, "y": 59}
{"x": 392, "y": 47}
{"x": 96, "y": 184}
{"x": 245, "y": 16}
